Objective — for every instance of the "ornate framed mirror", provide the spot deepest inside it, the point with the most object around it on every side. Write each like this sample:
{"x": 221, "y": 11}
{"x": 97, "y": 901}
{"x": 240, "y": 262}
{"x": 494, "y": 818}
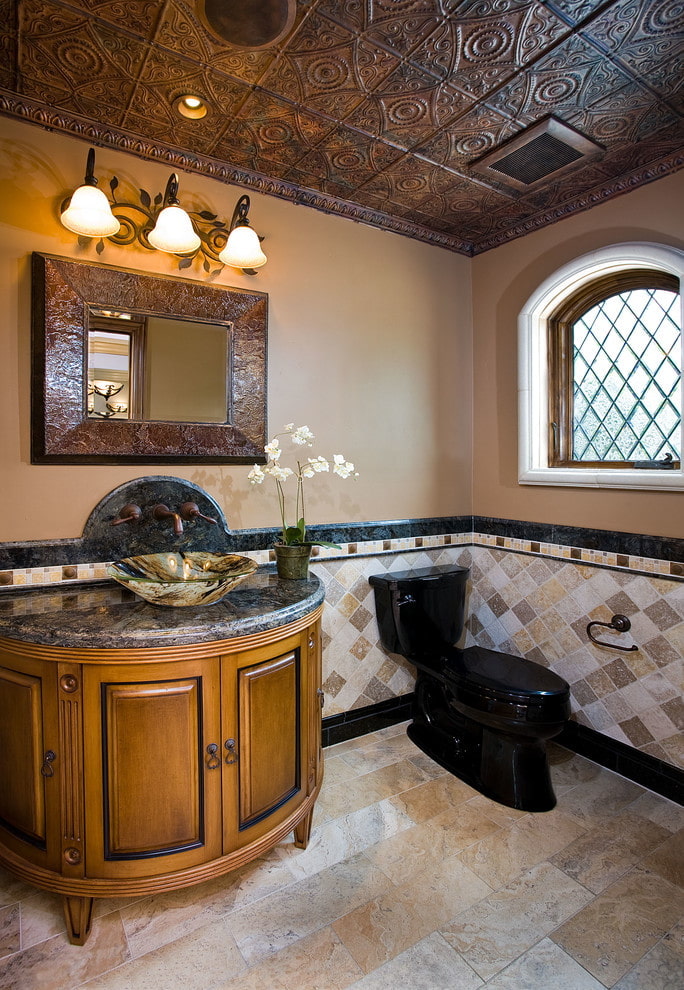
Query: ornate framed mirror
{"x": 194, "y": 343}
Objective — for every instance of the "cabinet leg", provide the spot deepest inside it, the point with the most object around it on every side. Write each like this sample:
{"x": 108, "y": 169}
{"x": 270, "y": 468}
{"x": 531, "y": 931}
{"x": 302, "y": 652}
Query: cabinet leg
{"x": 78, "y": 912}
{"x": 302, "y": 832}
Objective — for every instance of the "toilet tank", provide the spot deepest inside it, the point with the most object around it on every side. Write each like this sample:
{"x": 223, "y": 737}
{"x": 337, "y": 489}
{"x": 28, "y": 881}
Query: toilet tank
{"x": 421, "y": 611}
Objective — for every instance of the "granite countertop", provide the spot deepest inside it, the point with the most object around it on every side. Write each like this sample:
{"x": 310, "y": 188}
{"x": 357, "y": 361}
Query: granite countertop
{"x": 104, "y": 615}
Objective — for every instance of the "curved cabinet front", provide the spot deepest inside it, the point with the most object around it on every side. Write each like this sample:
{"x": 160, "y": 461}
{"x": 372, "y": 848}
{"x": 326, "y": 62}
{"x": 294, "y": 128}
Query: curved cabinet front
{"x": 126, "y": 772}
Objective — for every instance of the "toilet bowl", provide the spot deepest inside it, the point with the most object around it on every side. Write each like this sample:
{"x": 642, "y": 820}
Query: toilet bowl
{"x": 484, "y": 716}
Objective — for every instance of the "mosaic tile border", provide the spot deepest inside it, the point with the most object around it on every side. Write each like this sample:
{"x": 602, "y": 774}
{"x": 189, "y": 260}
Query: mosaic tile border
{"x": 32, "y": 577}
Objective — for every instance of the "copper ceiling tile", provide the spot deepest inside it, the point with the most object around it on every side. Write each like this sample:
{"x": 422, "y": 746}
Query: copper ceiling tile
{"x": 141, "y": 15}
{"x": 403, "y": 30}
{"x": 73, "y": 53}
{"x": 376, "y": 110}
{"x": 628, "y": 116}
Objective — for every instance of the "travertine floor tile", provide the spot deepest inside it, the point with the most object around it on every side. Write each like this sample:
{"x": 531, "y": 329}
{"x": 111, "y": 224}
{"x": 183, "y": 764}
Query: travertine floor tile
{"x": 434, "y": 796}
{"x": 56, "y": 965}
{"x": 501, "y": 857}
{"x": 606, "y": 794}
{"x": 316, "y": 962}
{"x": 350, "y": 795}
{"x": 622, "y": 924}
{"x": 10, "y": 940}
{"x": 545, "y": 967}
{"x": 505, "y": 924}
{"x": 659, "y": 810}
{"x": 284, "y": 917}
{"x": 668, "y": 859}
{"x": 338, "y": 840}
{"x": 12, "y": 890}
{"x": 429, "y": 965}
{"x": 161, "y": 918}
{"x": 660, "y": 969}
{"x": 413, "y": 854}
{"x": 600, "y": 856}
{"x": 196, "y": 962}
{"x": 391, "y": 923}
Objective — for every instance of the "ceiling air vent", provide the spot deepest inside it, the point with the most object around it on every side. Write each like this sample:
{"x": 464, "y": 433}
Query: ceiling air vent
{"x": 542, "y": 151}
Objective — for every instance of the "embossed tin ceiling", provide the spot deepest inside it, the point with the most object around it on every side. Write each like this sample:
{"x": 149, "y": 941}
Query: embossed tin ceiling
{"x": 377, "y": 110}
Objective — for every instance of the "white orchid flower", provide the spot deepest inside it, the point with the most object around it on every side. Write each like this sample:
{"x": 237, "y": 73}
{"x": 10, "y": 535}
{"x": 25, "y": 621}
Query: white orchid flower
{"x": 307, "y": 471}
{"x": 319, "y": 464}
{"x": 272, "y": 449}
{"x": 256, "y": 475}
{"x": 343, "y": 468}
{"x": 279, "y": 473}
{"x": 303, "y": 435}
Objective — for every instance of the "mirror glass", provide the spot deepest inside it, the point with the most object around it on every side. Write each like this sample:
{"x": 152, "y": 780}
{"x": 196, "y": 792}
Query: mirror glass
{"x": 130, "y": 368}
{"x": 155, "y": 369}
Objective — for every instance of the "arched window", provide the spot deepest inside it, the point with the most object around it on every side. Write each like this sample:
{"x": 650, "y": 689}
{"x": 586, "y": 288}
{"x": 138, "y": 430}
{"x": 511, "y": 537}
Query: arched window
{"x": 601, "y": 372}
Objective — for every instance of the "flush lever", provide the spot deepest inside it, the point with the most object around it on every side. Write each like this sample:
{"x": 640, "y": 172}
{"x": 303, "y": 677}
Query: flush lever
{"x": 620, "y": 623}
{"x": 407, "y": 600}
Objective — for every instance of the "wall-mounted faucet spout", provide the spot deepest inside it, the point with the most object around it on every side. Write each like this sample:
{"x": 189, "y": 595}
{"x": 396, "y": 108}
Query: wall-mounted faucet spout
{"x": 163, "y": 512}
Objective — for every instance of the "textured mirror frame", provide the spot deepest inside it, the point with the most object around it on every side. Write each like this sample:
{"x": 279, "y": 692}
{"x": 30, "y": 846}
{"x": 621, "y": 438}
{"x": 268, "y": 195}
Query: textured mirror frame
{"x": 61, "y": 433}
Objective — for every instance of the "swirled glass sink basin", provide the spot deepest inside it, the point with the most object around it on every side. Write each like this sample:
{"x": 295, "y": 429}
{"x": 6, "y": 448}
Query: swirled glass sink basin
{"x": 178, "y": 579}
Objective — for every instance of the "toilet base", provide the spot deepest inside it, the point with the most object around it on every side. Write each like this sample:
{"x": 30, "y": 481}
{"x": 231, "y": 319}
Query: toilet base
{"x": 509, "y": 768}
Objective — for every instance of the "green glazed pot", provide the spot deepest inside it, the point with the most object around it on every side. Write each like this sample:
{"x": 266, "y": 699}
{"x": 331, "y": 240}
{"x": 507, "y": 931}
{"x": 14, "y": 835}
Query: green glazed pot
{"x": 292, "y": 562}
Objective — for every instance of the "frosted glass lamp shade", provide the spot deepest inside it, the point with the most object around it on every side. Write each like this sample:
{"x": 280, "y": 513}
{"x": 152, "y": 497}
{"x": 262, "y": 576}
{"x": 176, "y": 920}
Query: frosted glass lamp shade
{"x": 174, "y": 232}
{"x": 242, "y": 249}
{"x": 89, "y": 213}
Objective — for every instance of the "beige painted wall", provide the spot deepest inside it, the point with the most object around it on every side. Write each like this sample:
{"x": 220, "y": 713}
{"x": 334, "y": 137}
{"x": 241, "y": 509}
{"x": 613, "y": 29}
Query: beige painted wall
{"x": 369, "y": 344}
{"x": 503, "y": 281}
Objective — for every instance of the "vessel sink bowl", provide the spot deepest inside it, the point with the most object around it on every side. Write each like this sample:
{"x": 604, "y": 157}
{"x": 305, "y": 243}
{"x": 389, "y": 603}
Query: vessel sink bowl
{"x": 178, "y": 579}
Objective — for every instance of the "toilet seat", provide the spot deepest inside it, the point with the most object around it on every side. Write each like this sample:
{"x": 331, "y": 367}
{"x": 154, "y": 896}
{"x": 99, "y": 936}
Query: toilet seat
{"x": 506, "y": 686}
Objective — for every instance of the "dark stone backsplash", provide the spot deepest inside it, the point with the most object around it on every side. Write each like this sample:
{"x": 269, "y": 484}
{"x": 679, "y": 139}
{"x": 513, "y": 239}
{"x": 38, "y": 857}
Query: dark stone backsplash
{"x": 103, "y": 542}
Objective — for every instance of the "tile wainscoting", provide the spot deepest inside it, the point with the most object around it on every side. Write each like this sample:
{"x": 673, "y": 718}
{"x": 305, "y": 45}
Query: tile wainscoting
{"x": 529, "y": 595}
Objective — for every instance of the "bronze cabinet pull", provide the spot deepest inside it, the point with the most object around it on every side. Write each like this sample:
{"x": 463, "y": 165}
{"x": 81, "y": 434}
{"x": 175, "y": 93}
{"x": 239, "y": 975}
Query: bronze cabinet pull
{"x": 620, "y": 623}
{"x": 47, "y": 768}
{"x": 231, "y": 755}
{"x": 213, "y": 760}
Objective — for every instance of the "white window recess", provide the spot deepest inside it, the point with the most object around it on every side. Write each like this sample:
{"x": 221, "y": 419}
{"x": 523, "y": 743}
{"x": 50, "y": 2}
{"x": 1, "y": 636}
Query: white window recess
{"x": 533, "y": 411}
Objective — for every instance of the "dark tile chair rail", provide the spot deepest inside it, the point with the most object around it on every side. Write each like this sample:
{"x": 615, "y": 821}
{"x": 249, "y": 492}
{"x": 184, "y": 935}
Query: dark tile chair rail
{"x": 107, "y": 545}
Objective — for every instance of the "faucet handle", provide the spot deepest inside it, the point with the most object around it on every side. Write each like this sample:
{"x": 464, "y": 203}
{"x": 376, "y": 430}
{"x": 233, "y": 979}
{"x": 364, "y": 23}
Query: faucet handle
{"x": 130, "y": 513}
{"x": 190, "y": 510}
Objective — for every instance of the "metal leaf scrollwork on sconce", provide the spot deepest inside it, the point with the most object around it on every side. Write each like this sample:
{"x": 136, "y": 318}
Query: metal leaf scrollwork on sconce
{"x": 160, "y": 223}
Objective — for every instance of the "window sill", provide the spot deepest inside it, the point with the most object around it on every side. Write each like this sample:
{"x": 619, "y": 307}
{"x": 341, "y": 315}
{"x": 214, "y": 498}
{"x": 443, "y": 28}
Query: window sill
{"x": 662, "y": 481}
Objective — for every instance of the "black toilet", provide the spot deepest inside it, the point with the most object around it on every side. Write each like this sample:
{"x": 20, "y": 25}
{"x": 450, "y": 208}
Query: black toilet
{"x": 484, "y": 716}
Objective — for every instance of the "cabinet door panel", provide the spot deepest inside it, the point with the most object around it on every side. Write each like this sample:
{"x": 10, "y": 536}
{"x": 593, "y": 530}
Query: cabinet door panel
{"x": 269, "y": 768}
{"x": 22, "y": 787}
{"x": 156, "y": 799}
{"x": 152, "y": 773}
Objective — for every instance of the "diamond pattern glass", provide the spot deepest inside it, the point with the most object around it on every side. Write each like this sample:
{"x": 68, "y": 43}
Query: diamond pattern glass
{"x": 627, "y": 378}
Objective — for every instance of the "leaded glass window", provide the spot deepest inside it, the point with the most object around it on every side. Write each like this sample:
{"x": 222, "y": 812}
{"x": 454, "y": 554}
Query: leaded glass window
{"x": 616, "y": 362}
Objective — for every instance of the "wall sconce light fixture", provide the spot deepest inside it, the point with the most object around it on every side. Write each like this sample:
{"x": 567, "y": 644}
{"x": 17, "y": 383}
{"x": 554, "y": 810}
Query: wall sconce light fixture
{"x": 173, "y": 232}
{"x": 89, "y": 212}
{"x": 163, "y": 225}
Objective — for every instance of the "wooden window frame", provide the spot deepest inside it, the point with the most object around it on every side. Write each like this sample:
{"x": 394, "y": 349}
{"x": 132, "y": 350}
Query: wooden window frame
{"x": 560, "y": 358}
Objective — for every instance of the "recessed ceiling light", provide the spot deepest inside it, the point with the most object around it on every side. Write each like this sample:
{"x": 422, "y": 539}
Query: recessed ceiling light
{"x": 191, "y": 106}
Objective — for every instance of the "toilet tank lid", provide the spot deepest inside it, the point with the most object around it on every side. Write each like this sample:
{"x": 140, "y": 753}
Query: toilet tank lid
{"x": 437, "y": 573}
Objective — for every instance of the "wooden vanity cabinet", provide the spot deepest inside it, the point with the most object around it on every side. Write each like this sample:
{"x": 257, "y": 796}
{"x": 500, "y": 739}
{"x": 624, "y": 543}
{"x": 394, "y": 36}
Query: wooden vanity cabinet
{"x": 169, "y": 766}
{"x": 29, "y": 727}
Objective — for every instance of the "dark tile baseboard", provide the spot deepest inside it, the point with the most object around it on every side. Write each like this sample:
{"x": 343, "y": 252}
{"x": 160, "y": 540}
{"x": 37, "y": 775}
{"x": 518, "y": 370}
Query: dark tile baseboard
{"x": 361, "y": 721}
{"x": 657, "y": 776}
